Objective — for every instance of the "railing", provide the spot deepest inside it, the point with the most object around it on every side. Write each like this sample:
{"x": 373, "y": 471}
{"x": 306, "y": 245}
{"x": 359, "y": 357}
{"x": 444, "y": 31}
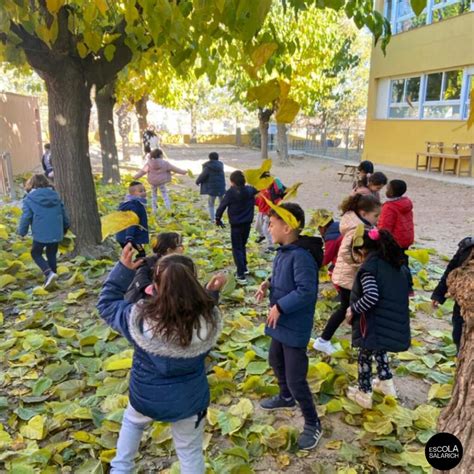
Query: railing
{"x": 7, "y": 187}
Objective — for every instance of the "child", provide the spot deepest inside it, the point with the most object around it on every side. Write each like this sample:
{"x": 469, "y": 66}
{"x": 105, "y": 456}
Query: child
{"x": 378, "y": 313}
{"x": 166, "y": 243}
{"x": 47, "y": 162}
{"x": 364, "y": 170}
{"x": 239, "y": 200}
{"x": 371, "y": 185}
{"x": 439, "y": 294}
{"x": 44, "y": 211}
{"x": 332, "y": 238}
{"x": 158, "y": 172}
{"x": 274, "y": 193}
{"x": 397, "y": 215}
{"x": 293, "y": 292}
{"x": 212, "y": 182}
{"x": 171, "y": 333}
{"x": 137, "y": 235}
{"x": 357, "y": 209}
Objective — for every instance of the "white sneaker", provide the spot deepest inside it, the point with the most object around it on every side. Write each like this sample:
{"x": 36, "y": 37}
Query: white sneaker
{"x": 362, "y": 399}
{"x": 387, "y": 387}
{"x": 324, "y": 346}
{"x": 50, "y": 279}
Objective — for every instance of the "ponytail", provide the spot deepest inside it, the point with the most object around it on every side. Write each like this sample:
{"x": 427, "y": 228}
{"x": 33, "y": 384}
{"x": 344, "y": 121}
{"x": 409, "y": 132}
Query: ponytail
{"x": 359, "y": 202}
{"x": 382, "y": 242}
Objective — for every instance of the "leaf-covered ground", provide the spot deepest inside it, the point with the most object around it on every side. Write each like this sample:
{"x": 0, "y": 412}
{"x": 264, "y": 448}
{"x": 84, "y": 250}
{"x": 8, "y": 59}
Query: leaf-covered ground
{"x": 64, "y": 374}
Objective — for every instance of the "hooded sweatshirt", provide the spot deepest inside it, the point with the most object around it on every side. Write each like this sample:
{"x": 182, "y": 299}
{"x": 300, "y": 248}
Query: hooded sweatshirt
{"x": 137, "y": 234}
{"x": 44, "y": 211}
{"x": 212, "y": 178}
{"x": 158, "y": 171}
{"x": 397, "y": 218}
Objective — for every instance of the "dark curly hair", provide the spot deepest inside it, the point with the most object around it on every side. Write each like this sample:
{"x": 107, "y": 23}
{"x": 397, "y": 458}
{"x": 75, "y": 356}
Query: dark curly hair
{"x": 385, "y": 246}
{"x": 166, "y": 241}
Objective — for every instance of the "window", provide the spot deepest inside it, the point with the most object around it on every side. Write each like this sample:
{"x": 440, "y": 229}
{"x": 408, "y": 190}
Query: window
{"x": 402, "y": 18}
{"x": 443, "y": 95}
{"x": 404, "y": 98}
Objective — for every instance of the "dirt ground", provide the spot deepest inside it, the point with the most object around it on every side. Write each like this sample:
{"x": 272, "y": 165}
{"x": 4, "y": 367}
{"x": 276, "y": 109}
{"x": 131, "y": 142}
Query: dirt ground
{"x": 443, "y": 210}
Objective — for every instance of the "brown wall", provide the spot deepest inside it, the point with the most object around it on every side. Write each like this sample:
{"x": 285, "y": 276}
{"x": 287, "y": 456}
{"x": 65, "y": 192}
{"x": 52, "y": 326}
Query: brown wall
{"x": 20, "y": 131}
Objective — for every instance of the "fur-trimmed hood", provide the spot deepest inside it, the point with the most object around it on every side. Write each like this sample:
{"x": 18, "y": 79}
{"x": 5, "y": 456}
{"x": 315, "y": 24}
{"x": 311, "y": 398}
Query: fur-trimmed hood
{"x": 202, "y": 341}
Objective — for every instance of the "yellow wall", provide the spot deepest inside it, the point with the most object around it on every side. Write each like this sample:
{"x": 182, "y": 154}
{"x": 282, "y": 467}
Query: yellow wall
{"x": 219, "y": 139}
{"x": 439, "y": 46}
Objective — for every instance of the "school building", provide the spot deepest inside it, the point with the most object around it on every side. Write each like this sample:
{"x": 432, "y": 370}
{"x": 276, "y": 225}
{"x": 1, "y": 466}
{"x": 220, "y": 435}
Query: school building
{"x": 419, "y": 91}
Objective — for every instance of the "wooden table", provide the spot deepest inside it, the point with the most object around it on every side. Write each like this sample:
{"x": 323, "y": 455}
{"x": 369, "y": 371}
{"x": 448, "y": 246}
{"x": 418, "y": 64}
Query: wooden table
{"x": 349, "y": 170}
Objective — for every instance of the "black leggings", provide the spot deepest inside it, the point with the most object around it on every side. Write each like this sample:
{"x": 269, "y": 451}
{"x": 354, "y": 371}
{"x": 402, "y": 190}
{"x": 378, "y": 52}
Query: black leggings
{"x": 338, "y": 316}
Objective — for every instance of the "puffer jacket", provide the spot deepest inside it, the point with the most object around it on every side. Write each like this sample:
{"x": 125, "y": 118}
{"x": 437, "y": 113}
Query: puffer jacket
{"x": 346, "y": 267}
{"x": 212, "y": 178}
{"x": 158, "y": 171}
{"x": 167, "y": 382}
{"x": 397, "y": 218}
{"x": 44, "y": 211}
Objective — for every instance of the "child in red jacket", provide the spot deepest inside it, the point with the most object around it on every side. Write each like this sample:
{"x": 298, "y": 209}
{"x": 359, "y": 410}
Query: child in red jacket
{"x": 397, "y": 215}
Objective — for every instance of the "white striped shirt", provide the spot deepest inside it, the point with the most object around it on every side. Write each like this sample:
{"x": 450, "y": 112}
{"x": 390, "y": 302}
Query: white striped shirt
{"x": 370, "y": 294}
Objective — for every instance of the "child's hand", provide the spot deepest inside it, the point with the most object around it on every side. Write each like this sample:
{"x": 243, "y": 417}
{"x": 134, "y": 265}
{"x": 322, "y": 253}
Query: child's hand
{"x": 126, "y": 259}
{"x": 434, "y": 303}
{"x": 220, "y": 224}
{"x": 262, "y": 291}
{"x": 349, "y": 316}
{"x": 273, "y": 316}
{"x": 217, "y": 282}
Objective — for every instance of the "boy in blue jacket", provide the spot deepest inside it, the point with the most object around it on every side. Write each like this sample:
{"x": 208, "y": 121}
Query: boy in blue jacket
{"x": 239, "y": 200}
{"x": 137, "y": 235}
{"x": 293, "y": 293}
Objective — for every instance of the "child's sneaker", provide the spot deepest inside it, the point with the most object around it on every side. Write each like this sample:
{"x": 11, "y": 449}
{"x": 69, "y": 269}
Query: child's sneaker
{"x": 277, "y": 403}
{"x": 363, "y": 399}
{"x": 324, "y": 346}
{"x": 50, "y": 279}
{"x": 310, "y": 437}
{"x": 387, "y": 387}
{"x": 241, "y": 280}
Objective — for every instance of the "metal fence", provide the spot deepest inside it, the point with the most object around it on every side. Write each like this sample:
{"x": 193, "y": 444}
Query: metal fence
{"x": 347, "y": 144}
{"x": 7, "y": 187}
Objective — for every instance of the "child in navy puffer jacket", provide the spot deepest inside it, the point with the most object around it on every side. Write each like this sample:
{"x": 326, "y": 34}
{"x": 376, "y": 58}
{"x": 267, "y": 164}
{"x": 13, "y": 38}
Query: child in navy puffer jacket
{"x": 172, "y": 333}
{"x": 44, "y": 211}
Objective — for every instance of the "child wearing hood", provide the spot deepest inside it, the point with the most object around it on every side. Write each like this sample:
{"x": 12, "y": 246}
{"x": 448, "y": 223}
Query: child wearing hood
{"x": 137, "y": 235}
{"x": 44, "y": 211}
{"x": 212, "y": 182}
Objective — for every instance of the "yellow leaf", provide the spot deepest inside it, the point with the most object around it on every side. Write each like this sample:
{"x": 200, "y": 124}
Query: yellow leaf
{"x": 253, "y": 176}
{"x": 441, "y": 391}
{"x": 284, "y": 89}
{"x": 82, "y": 49}
{"x": 265, "y": 93}
{"x": 6, "y": 280}
{"x": 222, "y": 374}
{"x": 3, "y": 232}
{"x": 34, "y": 429}
{"x": 53, "y": 6}
{"x": 84, "y": 437}
{"x": 117, "y": 221}
{"x": 470, "y": 119}
{"x": 190, "y": 173}
{"x": 118, "y": 364}
{"x": 65, "y": 332}
{"x": 40, "y": 291}
{"x": 321, "y": 217}
{"x": 291, "y": 192}
{"x": 263, "y": 53}
{"x": 287, "y": 111}
{"x": 421, "y": 255}
{"x": 107, "y": 455}
{"x": 5, "y": 438}
{"x": 101, "y": 6}
{"x": 334, "y": 444}
{"x": 287, "y": 216}
{"x": 109, "y": 52}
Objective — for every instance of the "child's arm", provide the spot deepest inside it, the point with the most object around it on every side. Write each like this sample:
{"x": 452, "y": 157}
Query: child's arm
{"x": 25, "y": 220}
{"x": 370, "y": 294}
{"x": 387, "y": 219}
{"x": 331, "y": 247}
{"x": 175, "y": 169}
{"x": 141, "y": 173}
{"x": 112, "y": 307}
{"x": 222, "y": 207}
{"x": 203, "y": 176}
{"x": 306, "y": 285}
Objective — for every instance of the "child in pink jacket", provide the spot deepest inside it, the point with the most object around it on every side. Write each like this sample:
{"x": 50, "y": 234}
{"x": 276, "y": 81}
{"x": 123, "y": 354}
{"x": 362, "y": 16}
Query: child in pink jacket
{"x": 158, "y": 172}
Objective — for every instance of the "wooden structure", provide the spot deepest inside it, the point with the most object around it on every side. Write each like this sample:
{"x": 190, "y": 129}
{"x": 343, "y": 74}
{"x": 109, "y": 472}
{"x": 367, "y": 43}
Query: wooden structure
{"x": 446, "y": 159}
{"x": 349, "y": 170}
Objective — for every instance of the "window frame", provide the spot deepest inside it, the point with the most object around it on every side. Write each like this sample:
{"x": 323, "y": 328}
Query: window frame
{"x": 404, "y": 103}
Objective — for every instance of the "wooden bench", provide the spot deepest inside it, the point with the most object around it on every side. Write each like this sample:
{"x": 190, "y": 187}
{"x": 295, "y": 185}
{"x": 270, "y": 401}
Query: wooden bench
{"x": 349, "y": 170}
{"x": 438, "y": 160}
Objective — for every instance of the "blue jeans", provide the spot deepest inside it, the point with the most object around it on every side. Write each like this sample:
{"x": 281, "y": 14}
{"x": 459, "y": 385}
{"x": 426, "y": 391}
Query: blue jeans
{"x": 239, "y": 234}
{"x": 37, "y": 256}
{"x": 187, "y": 439}
{"x": 211, "y": 200}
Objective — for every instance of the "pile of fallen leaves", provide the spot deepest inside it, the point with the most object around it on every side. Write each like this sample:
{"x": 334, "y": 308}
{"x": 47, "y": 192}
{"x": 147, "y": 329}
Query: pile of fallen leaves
{"x": 64, "y": 374}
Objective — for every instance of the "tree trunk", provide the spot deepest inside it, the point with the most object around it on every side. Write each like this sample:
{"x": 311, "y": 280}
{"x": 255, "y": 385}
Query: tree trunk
{"x": 263, "y": 121}
{"x": 282, "y": 144}
{"x": 69, "y": 112}
{"x": 192, "y": 112}
{"x": 141, "y": 110}
{"x": 124, "y": 126}
{"x": 105, "y": 101}
{"x": 458, "y": 417}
